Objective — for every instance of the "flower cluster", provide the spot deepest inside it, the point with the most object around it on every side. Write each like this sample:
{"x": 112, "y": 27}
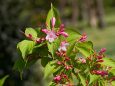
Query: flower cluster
{"x": 61, "y": 77}
{"x": 97, "y": 59}
{"x": 53, "y": 34}
{"x": 82, "y": 60}
{"x": 29, "y": 36}
{"x": 83, "y": 38}
{"x": 102, "y": 73}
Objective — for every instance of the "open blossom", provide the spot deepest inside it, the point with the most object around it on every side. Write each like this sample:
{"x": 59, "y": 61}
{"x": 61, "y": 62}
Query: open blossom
{"x": 82, "y": 60}
{"x": 63, "y": 46}
{"x": 51, "y": 35}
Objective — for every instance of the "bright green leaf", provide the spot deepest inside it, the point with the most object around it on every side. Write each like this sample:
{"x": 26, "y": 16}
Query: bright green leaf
{"x": 112, "y": 71}
{"x": 82, "y": 79}
{"x": 25, "y": 47}
{"x": 86, "y": 48}
{"x": 73, "y": 36}
{"x": 52, "y": 84}
{"x": 93, "y": 78}
{"x": 53, "y": 13}
{"x": 53, "y": 47}
{"x": 2, "y": 80}
{"x": 51, "y": 68}
{"x": 113, "y": 83}
{"x": 31, "y": 31}
{"x": 108, "y": 62}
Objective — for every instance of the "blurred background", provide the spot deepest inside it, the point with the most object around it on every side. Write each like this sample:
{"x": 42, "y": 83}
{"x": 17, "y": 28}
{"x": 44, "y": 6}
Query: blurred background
{"x": 96, "y": 18}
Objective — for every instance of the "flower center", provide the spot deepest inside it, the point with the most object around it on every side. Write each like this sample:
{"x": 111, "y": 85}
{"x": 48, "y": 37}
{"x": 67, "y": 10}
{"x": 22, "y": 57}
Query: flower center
{"x": 51, "y": 35}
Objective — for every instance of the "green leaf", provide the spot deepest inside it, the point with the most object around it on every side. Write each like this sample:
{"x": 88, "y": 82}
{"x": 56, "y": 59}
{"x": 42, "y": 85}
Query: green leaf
{"x": 53, "y": 13}
{"x": 73, "y": 36}
{"x": 82, "y": 78}
{"x": 19, "y": 65}
{"x": 113, "y": 83}
{"x": 51, "y": 68}
{"x": 2, "y": 80}
{"x": 53, "y": 47}
{"x": 86, "y": 48}
{"x": 52, "y": 84}
{"x": 31, "y": 31}
{"x": 93, "y": 78}
{"x": 25, "y": 47}
{"x": 112, "y": 71}
{"x": 31, "y": 62}
{"x": 45, "y": 60}
{"x": 108, "y": 62}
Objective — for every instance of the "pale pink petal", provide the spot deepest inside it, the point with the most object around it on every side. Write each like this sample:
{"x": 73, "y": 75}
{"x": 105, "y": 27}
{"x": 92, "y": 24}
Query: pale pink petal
{"x": 45, "y": 30}
{"x": 53, "y": 20}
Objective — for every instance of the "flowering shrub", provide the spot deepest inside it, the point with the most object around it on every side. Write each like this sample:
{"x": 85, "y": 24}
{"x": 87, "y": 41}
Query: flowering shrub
{"x": 58, "y": 49}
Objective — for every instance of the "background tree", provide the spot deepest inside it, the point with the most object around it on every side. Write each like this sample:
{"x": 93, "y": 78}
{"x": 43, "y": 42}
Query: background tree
{"x": 100, "y": 13}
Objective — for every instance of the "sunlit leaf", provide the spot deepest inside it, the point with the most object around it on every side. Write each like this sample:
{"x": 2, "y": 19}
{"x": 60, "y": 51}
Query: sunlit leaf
{"x": 53, "y": 13}
{"x": 25, "y": 47}
{"x": 2, "y": 80}
{"x": 51, "y": 68}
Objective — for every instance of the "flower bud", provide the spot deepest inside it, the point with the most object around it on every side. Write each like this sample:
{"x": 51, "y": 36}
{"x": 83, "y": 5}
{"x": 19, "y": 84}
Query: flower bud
{"x": 53, "y": 20}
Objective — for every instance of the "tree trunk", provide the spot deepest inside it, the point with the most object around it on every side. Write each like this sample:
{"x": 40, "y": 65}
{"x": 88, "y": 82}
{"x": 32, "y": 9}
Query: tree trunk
{"x": 74, "y": 4}
{"x": 84, "y": 9}
{"x": 100, "y": 13}
{"x": 62, "y": 7}
{"x": 91, "y": 13}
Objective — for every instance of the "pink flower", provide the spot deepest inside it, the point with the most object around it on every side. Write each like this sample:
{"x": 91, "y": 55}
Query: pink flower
{"x": 64, "y": 34}
{"x": 102, "y": 73}
{"x": 46, "y": 25}
{"x": 87, "y": 82}
{"x": 58, "y": 63}
{"x": 103, "y": 50}
{"x": 51, "y": 36}
{"x": 108, "y": 68}
{"x": 62, "y": 25}
{"x": 100, "y": 57}
{"x": 63, "y": 46}
{"x": 66, "y": 59}
{"x": 38, "y": 40}
{"x": 67, "y": 67}
{"x": 99, "y": 61}
{"x": 45, "y": 30}
{"x": 98, "y": 66}
{"x": 83, "y": 38}
{"x": 113, "y": 78}
{"x": 57, "y": 79}
{"x": 71, "y": 66}
{"x": 53, "y": 20}
{"x": 63, "y": 29}
{"x": 30, "y": 36}
{"x": 82, "y": 60}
